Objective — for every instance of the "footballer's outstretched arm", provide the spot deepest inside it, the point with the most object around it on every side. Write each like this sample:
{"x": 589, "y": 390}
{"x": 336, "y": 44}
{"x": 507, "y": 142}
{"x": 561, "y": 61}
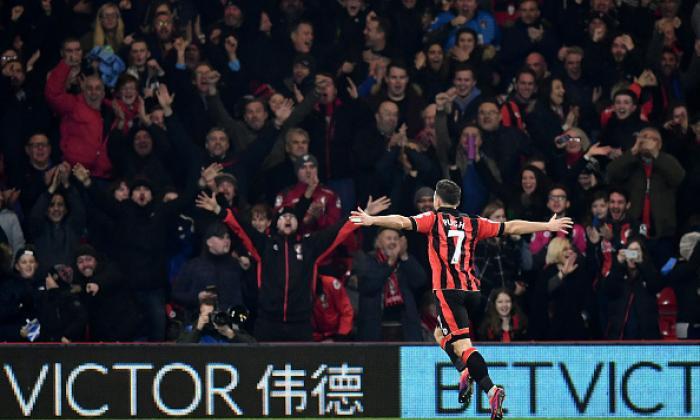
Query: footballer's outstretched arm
{"x": 522, "y": 227}
{"x": 395, "y": 221}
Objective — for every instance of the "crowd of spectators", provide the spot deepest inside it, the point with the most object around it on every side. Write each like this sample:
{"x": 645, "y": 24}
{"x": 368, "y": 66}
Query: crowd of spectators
{"x": 181, "y": 170}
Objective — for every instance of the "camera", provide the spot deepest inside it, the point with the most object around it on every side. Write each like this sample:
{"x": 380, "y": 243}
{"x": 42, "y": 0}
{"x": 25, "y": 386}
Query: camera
{"x": 630, "y": 254}
{"x": 235, "y": 315}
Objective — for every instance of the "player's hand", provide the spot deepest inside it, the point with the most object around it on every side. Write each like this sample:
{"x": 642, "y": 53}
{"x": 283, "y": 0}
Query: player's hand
{"x": 559, "y": 225}
{"x": 359, "y": 217}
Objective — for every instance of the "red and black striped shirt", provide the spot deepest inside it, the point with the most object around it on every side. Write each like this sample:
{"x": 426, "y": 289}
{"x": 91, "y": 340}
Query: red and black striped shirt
{"x": 452, "y": 238}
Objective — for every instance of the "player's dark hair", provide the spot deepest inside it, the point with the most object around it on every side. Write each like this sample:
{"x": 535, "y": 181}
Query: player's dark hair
{"x": 449, "y": 192}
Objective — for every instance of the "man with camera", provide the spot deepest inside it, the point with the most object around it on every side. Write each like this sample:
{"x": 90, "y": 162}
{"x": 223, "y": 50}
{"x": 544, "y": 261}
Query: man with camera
{"x": 652, "y": 178}
{"x": 214, "y": 324}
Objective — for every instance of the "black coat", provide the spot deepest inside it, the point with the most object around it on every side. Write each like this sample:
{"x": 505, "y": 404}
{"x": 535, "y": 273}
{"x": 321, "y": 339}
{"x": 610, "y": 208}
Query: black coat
{"x": 632, "y": 309}
{"x": 56, "y": 242}
{"x": 112, "y": 312}
{"x": 141, "y": 235}
{"x": 61, "y": 314}
{"x": 17, "y": 304}
{"x": 685, "y": 280}
{"x": 562, "y": 309}
{"x": 372, "y": 277}
{"x": 221, "y": 271}
{"x": 287, "y": 266}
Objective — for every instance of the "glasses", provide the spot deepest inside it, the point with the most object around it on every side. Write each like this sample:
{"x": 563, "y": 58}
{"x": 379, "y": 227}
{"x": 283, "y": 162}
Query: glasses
{"x": 557, "y": 197}
{"x": 38, "y": 145}
{"x": 488, "y": 112}
{"x": 162, "y": 23}
{"x": 109, "y": 16}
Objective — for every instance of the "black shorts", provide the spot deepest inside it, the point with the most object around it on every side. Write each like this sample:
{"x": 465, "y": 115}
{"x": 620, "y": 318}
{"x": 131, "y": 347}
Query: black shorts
{"x": 453, "y": 307}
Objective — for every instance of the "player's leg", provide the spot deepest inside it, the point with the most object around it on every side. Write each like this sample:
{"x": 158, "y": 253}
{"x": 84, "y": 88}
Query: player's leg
{"x": 440, "y": 339}
{"x": 452, "y": 327}
{"x": 474, "y": 361}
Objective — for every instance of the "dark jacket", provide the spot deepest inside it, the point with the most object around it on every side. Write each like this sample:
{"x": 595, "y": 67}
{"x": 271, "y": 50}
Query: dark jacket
{"x": 112, "y": 311}
{"x": 632, "y": 309}
{"x": 61, "y": 314}
{"x": 56, "y": 242}
{"x": 332, "y": 140}
{"x": 562, "y": 308}
{"x": 16, "y": 306}
{"x": 287, "y": 266}
{"x": 141, "y": 235}
{"x": 372, "y": 277}
{"x": 685, "y": 280}
{"x": 667, "y": 174}
{"x": 221, "y": 271}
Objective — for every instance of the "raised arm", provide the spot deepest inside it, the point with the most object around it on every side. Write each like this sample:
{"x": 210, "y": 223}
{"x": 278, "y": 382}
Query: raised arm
{"x": 393, "y": 221}
{"x": 522, "y": 227}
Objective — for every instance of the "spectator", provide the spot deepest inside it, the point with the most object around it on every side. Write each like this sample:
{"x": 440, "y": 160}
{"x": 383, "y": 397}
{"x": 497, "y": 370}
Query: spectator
{"x": 652, "y": 177}
{"x": 62, "y": 316}
{"x": 9, "y": 224}
{"x": 563, "y": 296}
{"x": 331, "y": 127}
{"x": 467, "y": 51}
{"x": 332, "y": 311}
{"x": 685, "y": 282}
{"x": 282, "y": 175}
{"x": 465, "y": 97}
{"x": 142, "y": 224}
{"x": 558, "y": 203}
{"x": 57, "y": 221}
{"x": 108, "y": 30}
{"x": 625, "y": 121}
{"x": 500, "y": 261}
{"x": 529, "y": 34}
{"x": 31, "y": 178}
{"x": 521, "y": 101}
{"x": 142, "y": 66}
{"x": 17, "y": 295}
{"x": 284, "y": 300}
{"x": 112, "y": 313}
{"x": 84, "y": 120}
{"x": 324, "y": 207}
{"x": 551, "y": 116}
{"x": 504, "y": 321}
{"x": 389, "y": 279}
{"x": 505, "y": 145}
{"x": 398, "y": 89}
{"x": 631, "y": 288}
{"x": 207, "y": 329}
{"x": 431, "y": 69}
{"x": 467, "y": 14}
{"x": 212, "y": 275}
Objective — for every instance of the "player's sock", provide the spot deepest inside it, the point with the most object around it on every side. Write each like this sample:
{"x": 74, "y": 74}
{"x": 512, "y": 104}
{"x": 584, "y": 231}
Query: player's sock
{"x": 476, "y": 364}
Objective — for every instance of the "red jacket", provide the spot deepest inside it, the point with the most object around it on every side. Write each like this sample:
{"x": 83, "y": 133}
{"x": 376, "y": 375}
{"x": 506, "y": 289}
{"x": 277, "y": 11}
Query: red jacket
{"x": 332, "y": 311}
{"x": 82, "y": 128}
{"x": 331, "y": 208}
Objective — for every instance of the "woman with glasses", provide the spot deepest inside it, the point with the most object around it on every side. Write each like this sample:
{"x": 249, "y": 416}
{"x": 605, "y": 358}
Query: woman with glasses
{"x": 108, "y": 30}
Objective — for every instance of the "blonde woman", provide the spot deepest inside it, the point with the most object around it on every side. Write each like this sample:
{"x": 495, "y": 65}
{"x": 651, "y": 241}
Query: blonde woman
{"x": 108, "y": 29}
{"x": 563, "y": 296}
